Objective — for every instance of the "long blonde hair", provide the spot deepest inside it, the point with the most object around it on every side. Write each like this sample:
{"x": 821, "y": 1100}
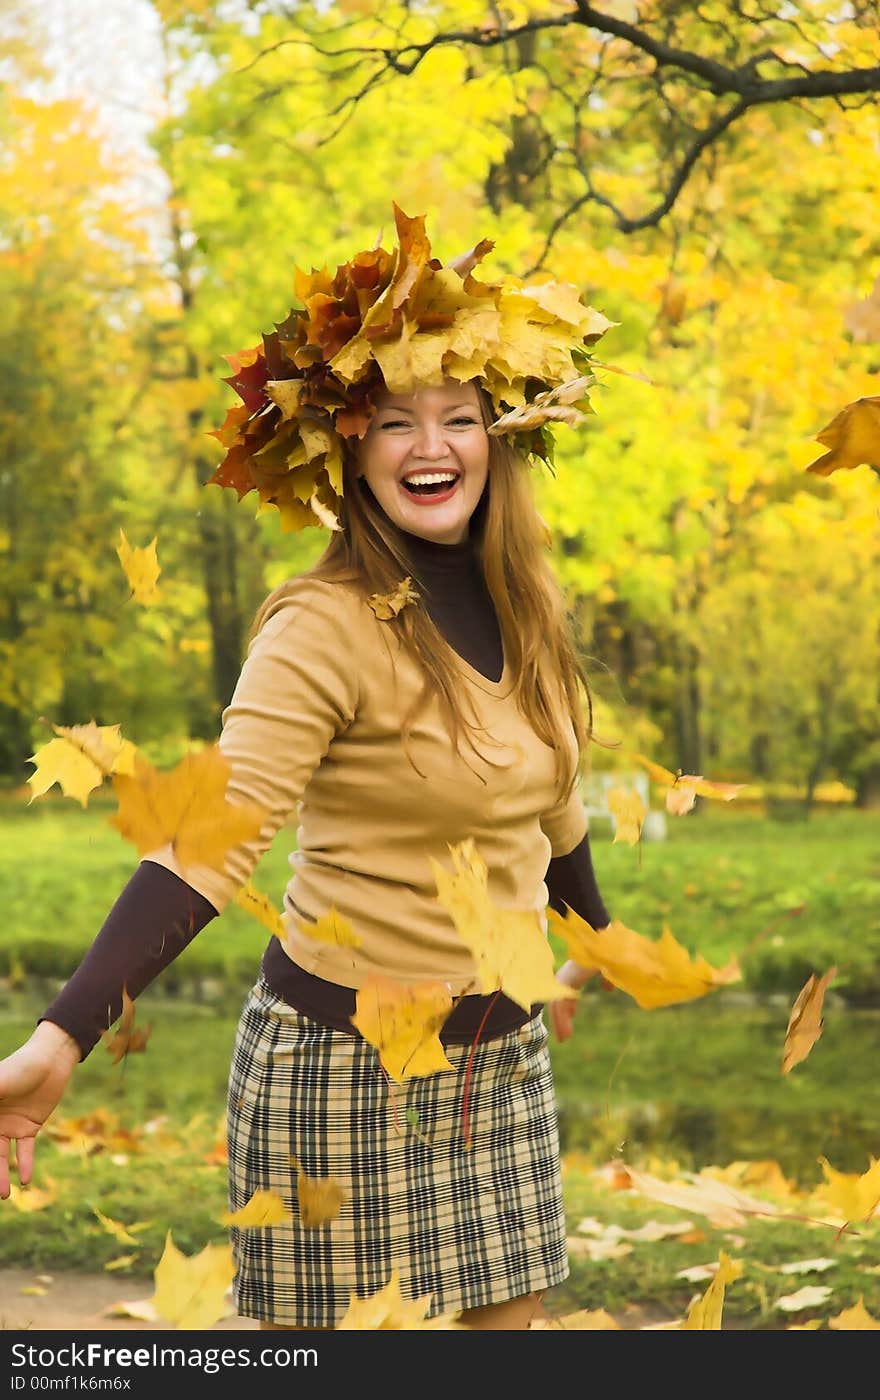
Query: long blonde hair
{"x": 547, "y": 678}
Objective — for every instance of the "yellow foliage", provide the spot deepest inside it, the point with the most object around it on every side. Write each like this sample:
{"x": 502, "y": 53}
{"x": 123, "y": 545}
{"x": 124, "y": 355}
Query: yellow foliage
{"x": 264, "y": 1208}
{"x": 805, "y": 1023}
{"x": 854, "y": 1197}
{"x": 186, "y": 807}
{"x": 141, "y": 568}
{"x": 191, "y": 1291}
{"x": 319, "y": 1198}
{"x": 659, "y": 973}
{"x": 80, "y": 759}
{"x": 260, "y": 907}
{"x": 705, "y": 1313}
{"x": 509, "y": 946}
{"x": 332, "y": 927}
{"x": 385, "y": 1310}
{"x": 402, "y": 1020}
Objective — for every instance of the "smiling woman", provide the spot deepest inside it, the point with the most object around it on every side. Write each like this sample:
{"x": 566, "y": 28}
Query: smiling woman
{"x": 425, "y": 457}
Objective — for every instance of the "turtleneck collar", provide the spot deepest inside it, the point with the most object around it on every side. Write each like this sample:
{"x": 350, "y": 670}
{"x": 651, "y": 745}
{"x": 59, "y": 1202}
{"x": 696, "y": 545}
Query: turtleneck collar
{"x": 436, "y": 558}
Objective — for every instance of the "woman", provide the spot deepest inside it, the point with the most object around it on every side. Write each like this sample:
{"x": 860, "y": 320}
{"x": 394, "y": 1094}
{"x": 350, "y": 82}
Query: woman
{"x": 415, "y": 690}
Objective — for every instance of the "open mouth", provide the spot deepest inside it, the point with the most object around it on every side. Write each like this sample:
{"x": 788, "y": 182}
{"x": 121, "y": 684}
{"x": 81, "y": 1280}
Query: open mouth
{"x": 430, "y": 485}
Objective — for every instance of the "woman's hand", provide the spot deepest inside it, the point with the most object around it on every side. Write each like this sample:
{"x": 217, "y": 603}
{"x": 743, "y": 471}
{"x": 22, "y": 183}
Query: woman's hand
{"x": 32, "y": 1081}
{"x": 562, "y": 1011}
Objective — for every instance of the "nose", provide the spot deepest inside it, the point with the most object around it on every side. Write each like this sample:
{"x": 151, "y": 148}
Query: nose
{"x": 430, "y": 443}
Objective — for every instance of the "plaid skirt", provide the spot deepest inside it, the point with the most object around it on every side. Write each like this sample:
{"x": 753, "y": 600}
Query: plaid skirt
{"x": 465, "y": 1224}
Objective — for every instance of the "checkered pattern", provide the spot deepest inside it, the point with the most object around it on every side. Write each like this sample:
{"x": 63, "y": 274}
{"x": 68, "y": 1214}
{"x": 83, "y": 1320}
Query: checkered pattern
{"x": 468, "y": 1226}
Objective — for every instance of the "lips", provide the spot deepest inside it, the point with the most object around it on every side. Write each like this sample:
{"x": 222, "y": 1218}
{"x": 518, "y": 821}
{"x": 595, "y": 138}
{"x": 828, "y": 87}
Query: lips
{"x": 430, "y": 498}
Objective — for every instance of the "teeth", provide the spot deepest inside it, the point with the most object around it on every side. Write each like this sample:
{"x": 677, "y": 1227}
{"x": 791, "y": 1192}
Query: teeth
{"x": 428, "y": 478}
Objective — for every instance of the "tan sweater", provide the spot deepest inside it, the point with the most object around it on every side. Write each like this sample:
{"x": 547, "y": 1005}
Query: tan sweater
{"x": 313, "y": 730}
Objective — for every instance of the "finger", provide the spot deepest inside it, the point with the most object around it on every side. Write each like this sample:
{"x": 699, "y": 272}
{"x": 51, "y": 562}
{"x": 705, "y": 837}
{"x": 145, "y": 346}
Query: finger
{"x": 4, "y": 1168}
{"x": 25, "y": 1154}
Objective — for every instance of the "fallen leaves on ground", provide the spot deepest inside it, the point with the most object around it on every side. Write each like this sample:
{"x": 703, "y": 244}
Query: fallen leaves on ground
{"x": 854, "y": 1319}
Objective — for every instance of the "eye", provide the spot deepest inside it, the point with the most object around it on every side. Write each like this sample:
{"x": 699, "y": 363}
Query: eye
{"x": 466, "y": 420}
{"x": 394, "y": 423}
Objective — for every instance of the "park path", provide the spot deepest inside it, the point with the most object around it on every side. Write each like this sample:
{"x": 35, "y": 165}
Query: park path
{"x": 74, "y": 1302}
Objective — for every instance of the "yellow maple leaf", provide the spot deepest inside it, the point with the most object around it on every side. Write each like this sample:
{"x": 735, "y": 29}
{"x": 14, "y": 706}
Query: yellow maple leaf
{"x": 119, "y": 1232}
{"x": 704, "y": 1314}
{"x": 31, "y": 1198}
{"x": 629, "y": 811}
{"x": 141, "y": 568}
{"x": 260, "y": 907}
{"x": 388, "y": 605}
{"x": 332, "y": 927}
{"x": 854, "y": 1319}
{"x": 684, "y": 788}
{"x": 385, "y": 1310}
{"x": 855, "y": 1197}
{"x": 403, "y": 1020}
{"x": 264, "y": 1208}
{"x": 191, "y": 1291}
{"x": 320, "y": 1198}
{"x": 127, "y": 1039}
{"x": 852, "y": 437}
{"x": 704, "y": 1194}
{"x": 80, "y": 759}
{"x": 511, "y": 950}
{"x": 654, "y": 973}
{"x": 186, "y": 807}
{"x": 805, "y": 1023}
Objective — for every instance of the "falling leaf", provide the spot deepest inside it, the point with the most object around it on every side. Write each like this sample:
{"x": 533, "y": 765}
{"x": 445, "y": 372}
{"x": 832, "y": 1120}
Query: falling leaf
{"x": 31, "y": 1198}
{"x": 127, "y": 1039}
{"x": 141, "y": 568}
{"x": 385, "y": 1310}
{"x": 704, "y": 1315}
{"x": 854, "y": 1319}
{"x": 263, "y": 1208}
{"x": 512, "y": 953}
{"x": 191, "y": 1291}
{"x": 332, "y": 927}
{"x": 124, "y": 1261}
{"x": 114, "y": 1228}
{"x": 805, "y": 1023}
{"x": 186, "y": 807}
{"x": 809, "y": 1297}
{"x": 260, "y": 907}
{"x": 852, "y": 437}
{"x": 403, "y": 1020}
{"x": 34, "y": 1290}
{"x": 684, "y": 788}
{"x": 80, "y": 759}
{"x": 855, "y": 1197}
{"x": 629, "y": 811}
{"x": 388, "y": 605}
{"x": 658, "y": 973}
{"x": 320, "y": 1199}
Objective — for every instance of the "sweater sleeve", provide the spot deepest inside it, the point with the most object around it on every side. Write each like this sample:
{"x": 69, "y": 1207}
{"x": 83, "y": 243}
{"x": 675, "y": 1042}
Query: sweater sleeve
{"x": 155, "y": 917}
{"x": 297, "y": 689}
{"x": 571, "y": 882}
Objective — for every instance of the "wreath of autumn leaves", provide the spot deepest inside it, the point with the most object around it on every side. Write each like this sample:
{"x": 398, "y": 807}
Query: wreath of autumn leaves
{"x": 397, "y": 320}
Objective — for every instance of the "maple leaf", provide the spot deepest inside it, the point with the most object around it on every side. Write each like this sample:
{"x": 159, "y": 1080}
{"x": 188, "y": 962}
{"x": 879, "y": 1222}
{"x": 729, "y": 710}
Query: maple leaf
{"x": 854, "y": 1319}
{"x": 509, "y": 946}
{"x": 80, "y": 759}
{"x": 805, "y": 1023}
{"x": 684, "y": 788}
{"x": 629, "y": 811}
{"x": 141, "y": 568}
{"x": 123, "y": 1233}
{"x": 191, "y": 1291}
{"x": 31, "y": 1198}
{"x": 332, "y": 927}
{"x": 862, "y": 318}
{"x": 658, "y": 973}
{"x": 186, "y": 807}
{"x": 704, "y": 1314}
{"x": 702, "y": 1194}
{"x": 385, "y": 1310}
{"x": 852, "y": 437}
{"x": 127, "y": 1039}
{"x": 264, "y": 1208}
{"x": 388, "y": 605}
{"x": 855, "y": 1197}
{"x": 260, "y": 907}
{"x": 320, "y": 1198}
{"x": 553, "y": 405}
{"x": 402, "y": 1020}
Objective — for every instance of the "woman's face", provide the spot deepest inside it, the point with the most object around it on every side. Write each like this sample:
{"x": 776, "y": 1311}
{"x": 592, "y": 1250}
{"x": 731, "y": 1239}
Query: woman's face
{"x": 425, "y": 457}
